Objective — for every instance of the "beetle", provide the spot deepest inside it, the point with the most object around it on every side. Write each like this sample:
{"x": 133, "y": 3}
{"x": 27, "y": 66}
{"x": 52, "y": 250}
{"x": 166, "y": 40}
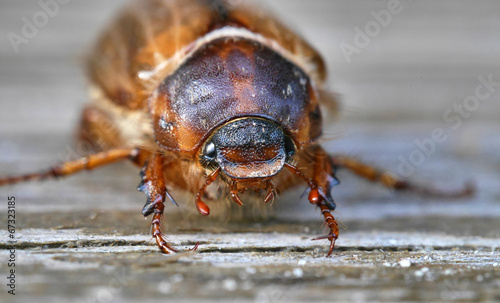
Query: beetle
{"x": 197, "y": 92}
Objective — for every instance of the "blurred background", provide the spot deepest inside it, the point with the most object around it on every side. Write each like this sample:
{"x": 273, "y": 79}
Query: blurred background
{"x": 425, "y": 59}
{"x": 404, "y": 71}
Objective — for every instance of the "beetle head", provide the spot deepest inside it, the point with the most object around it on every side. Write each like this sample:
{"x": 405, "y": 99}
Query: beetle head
{"x": 248, "y": 148}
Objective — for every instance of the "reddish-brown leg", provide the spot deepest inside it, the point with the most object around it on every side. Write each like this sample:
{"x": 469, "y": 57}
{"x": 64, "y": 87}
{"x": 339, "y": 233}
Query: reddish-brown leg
{"x": 73, "y": 167}
{"x": 321, "y": 181}
{"x": 332, "y": 225}
{"x": 388, "y": 180}
{"x": 153, "y": 185}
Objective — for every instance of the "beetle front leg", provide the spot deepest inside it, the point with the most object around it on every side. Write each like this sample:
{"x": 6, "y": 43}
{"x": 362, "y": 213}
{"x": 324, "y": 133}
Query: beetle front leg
{"x": 153, "y": 185}
{"x": 321, "y": 183}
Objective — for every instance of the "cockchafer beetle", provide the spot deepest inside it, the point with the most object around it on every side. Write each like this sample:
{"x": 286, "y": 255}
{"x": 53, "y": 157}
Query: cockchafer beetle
{"x": 204, "y": 91}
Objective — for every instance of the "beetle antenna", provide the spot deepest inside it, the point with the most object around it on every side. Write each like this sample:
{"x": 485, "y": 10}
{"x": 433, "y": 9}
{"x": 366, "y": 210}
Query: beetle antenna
{"x": 315, "y": 196}
{"x": 201, "y": 206}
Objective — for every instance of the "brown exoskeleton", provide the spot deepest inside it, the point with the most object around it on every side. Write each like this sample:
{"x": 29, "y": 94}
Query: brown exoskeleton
{"x": 204, "y": 91}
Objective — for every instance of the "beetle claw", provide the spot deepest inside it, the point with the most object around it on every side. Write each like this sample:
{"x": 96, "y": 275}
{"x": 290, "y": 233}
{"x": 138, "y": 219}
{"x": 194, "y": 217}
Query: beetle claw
{"x": 329, "y": 236}
{"x": 166, "y": 248}
{"x": 332, "y": 237}
{"x": 195, "y": 247}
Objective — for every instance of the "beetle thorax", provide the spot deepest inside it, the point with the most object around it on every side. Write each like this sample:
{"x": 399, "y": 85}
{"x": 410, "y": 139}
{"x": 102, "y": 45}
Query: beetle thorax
{"x": 229, "y": 79}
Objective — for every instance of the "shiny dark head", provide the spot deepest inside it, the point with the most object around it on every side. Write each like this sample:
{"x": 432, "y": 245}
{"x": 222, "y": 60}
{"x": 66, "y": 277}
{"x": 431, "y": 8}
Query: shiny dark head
{"x": 249, "y": 148}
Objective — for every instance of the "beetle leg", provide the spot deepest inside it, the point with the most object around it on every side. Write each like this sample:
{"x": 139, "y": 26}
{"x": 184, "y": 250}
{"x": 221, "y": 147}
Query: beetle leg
{"x": 320, "y": 184}
{"x": 388, "y": 180}
{"x": 73, "y": 167}
{"x": 153, "y": 185}
{"x": 156, "y": 231}
{"x": 156, "y": 225}
{"x": 332, "y": 225}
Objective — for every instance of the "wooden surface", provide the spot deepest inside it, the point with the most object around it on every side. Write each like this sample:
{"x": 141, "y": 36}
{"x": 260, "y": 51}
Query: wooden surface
{"x": 73, "y": 248}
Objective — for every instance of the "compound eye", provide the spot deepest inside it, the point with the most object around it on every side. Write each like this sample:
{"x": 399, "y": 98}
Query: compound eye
{"x": 210, "y": 153}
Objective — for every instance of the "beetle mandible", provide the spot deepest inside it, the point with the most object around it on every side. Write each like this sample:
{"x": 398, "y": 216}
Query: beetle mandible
{"x": 203, "y": 91}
